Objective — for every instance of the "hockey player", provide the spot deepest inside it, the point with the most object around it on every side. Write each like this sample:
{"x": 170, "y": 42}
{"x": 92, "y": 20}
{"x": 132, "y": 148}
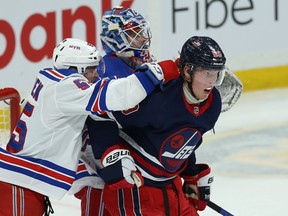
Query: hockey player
{"x": 158, "y": 139}
{"x": 126, "y": 41}
{"x": 87, "y": 185}
{"x": 41, "y": 157}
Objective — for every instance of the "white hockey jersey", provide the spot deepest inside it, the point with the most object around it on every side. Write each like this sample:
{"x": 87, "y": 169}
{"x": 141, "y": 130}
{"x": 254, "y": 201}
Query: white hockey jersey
{"x": 86, "y": 173}
{"x": 44, "y": 149}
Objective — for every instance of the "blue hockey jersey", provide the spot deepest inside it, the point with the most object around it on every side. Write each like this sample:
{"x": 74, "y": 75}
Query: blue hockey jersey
{"x": 162, "y": 132}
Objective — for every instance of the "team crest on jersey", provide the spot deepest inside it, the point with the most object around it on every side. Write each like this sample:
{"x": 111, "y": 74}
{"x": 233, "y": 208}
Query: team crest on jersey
{"x": 178, "y": 147}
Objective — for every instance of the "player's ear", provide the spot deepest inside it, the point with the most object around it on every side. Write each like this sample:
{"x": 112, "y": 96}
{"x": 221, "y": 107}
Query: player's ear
{"x": 186, "y": 73}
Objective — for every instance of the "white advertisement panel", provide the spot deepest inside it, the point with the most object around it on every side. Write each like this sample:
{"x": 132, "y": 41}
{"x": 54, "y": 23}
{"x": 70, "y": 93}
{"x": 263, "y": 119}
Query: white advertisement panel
{"x": 252, "y": 33}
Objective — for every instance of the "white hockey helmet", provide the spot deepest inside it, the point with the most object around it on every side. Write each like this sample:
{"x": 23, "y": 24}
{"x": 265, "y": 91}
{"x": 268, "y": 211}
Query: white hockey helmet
{"x": 76, "y": 53}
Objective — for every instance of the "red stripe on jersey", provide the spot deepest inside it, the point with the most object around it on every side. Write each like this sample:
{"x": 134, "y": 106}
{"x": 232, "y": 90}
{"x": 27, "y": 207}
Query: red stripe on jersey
{"x": 15, "y": 161}
{"x": 156, "y": 172}
{"x": 143, "y": 161}
{"x": 56, "y": 74}
{"x": 81, "y": 167}
{"x": 96, "y": 105}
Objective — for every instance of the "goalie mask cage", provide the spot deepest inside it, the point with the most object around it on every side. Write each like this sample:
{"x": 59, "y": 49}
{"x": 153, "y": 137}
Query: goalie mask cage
{"x": 9, "y": 112}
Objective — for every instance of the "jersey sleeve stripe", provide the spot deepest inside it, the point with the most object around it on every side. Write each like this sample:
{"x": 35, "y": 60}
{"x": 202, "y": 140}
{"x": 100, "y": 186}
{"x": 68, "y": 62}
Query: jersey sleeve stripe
{"x": 146, "y": 82}
{"x": 47, "y": 179}
{"x": 97, "y": 102}
{"x": 55, "y": 175}
{"x": 51, "y": 74}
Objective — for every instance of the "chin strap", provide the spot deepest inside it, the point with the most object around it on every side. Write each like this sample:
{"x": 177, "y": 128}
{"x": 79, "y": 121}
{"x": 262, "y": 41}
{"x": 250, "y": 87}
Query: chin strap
{"x": 189, "y": 95}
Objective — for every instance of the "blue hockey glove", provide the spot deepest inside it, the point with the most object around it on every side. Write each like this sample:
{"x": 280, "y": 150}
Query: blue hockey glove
{"x": 197, "y": 188}
{"x": 119, "y": 170}
{"x": 161, "y": 72}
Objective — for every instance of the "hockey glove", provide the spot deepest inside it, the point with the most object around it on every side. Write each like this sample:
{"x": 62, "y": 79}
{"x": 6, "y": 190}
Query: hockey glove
{"x": 197, "y": 188}
{"x": 230, "y": 90}
{"x": 161, "y": 72}
{"x": 119, "y": 170}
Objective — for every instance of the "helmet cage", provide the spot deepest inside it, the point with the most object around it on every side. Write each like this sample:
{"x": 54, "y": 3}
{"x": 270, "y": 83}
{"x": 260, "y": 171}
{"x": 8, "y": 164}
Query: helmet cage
{"x": 122, "y": 30}
{"x": 133, "y": 34}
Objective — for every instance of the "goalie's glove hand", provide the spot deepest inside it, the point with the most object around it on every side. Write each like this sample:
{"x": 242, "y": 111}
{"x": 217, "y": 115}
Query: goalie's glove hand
{"x": 230, "y": 90}
{"x": 119, "y": 170}
{"x": 161, "y": 72}
{"x": 197, "y": 188}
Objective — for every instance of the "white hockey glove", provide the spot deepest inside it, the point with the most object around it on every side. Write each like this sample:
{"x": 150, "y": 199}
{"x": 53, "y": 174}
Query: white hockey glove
{"x": 119, "y": 170}
{"x": 161, "y": 72}
{"x": 197, "y": 188}
{"x": 230, "y": 90}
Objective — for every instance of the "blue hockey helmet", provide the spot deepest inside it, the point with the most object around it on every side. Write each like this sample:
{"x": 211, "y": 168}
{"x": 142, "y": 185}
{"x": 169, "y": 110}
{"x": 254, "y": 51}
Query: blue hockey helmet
{"x": 201, "y": 51}
{"x": 204, "y": 52}
{"x": 124, "y": 29}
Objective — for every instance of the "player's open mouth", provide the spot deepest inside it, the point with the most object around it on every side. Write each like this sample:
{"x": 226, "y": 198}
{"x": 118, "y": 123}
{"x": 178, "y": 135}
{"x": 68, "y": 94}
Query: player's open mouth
{"x": 207, "y": 90}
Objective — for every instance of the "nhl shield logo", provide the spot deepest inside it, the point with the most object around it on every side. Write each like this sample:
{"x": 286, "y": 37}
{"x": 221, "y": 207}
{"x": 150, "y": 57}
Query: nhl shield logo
{"x": 196, "y": 110}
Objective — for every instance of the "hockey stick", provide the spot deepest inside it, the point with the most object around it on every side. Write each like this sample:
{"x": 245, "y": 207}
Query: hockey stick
{"x": 92, "y": 166}
{"x": 212, "y": 205}
{"x": 219, "y": 209}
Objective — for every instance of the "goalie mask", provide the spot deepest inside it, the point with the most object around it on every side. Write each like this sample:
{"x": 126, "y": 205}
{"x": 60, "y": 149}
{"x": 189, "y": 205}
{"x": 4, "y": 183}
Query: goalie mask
{"x": 124, "y": 30}
{"x": 204, "y": 52}
{"x": 72, "y": 52}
